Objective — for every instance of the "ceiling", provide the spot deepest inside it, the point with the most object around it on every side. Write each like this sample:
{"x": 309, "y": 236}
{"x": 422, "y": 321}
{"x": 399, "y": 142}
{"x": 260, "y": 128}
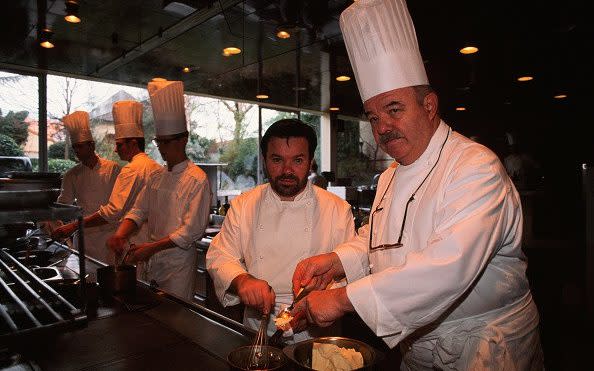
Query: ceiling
{"x": 133, "y": 41}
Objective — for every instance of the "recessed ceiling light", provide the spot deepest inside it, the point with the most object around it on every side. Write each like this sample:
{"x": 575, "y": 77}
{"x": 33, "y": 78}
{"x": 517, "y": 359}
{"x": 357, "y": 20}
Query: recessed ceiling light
{"x": 231, "y": 50}
{"x": 45, "y": 38}
{"x": 560, "y": 96}
{"x": 460, "y": 108}
{"x": 525, "y": 78}
{"x": 469, "y": 50}
{"x": 282, "y": 34}
{"x": 334, "y": 109}
{"x": 262, "y": 96}
{"x": 186, "y": 69}
{"x": 343, "y": 78}
{"x": 72, "y": 11}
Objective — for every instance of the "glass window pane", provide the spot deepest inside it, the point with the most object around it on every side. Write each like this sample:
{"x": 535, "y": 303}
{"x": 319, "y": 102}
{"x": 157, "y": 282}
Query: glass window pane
{"x": 359, "y": 159}
{"x": 19, "y": 123}
{"x": 67, "y": 95}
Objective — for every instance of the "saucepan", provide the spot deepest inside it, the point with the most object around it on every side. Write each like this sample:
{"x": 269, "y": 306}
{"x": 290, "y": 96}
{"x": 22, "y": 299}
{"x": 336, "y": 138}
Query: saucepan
{"x": 301, "y": 353}
{"x": 116, "y": 279}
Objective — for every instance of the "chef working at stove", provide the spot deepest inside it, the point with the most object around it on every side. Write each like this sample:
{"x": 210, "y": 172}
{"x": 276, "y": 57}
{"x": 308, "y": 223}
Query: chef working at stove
{"x": 127, "y": 117}
{"x": 270, "y": 228}
{"x": 89, "y": 182}
{"x": 439, "y": 269}
{"x": 174, "y": 204}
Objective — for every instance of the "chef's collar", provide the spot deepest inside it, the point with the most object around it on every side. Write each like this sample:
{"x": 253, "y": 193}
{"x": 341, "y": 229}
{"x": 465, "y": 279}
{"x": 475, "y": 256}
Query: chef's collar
{"x": 431, "y": 153}
{"x": 304, "y": 195}
{"x": 178, "y": 168}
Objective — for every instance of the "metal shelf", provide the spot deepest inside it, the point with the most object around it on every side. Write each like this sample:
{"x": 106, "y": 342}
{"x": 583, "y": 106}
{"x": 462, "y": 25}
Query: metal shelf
{"x": 52, "y": 212}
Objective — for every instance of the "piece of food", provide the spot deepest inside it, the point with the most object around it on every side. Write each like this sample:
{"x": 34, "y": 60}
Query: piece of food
{"x": 331, "y": 357}
{"x": 283, "y": 320}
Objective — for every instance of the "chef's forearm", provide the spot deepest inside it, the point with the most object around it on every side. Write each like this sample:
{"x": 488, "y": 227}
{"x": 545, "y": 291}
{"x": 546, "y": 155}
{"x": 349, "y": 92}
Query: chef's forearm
{"x": 126, "y": 228}
{"x": 94, "y": 220}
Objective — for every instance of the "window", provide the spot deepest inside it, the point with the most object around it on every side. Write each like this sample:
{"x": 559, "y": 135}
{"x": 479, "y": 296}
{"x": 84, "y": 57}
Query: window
{"x": 19, "y": 127}
{"x": 358, "y": 157}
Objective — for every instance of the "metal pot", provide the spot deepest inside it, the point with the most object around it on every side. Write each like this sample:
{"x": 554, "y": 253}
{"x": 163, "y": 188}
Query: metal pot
{"x": 120, "y": 279}
{"x": 300, "y": 353}
{"x": 238, "y": 358}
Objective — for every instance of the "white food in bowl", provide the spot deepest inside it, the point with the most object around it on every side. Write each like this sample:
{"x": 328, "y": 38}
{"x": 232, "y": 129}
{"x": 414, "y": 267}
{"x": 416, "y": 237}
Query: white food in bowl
{"x": 330, "y": 357}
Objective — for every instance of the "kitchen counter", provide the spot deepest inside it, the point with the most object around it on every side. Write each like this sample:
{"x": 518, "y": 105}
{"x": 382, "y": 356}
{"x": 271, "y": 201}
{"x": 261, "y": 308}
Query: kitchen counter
{"x": 153, "y": 330}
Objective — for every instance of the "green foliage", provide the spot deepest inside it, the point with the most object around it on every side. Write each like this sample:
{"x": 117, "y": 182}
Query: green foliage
{"x": 242, "y": 158}
{"x": 57, "y": 150}
{"x": 8, "y": 147}
{"x": 58, "y": 165}
{"x": 14, "y": 126}
{"x": 198, "y": 148}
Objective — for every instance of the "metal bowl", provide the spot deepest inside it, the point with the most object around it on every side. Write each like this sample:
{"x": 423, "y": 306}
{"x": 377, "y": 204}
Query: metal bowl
{"x": 300, "y": 353}
{"x": 238, "y": 358}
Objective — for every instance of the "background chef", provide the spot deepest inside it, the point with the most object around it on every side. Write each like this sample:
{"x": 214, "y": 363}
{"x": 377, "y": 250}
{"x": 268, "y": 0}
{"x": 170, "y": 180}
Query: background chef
{"x": 89, "y": 182}
{"x": 174, "y": 204}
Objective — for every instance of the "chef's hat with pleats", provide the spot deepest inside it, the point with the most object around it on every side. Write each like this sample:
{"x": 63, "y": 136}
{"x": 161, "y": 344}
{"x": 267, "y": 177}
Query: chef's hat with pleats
{"x": 127, "y": 118}
{"x": 167, "y": 100}
{"x": 77, "y": 124}
{"x": 382, "y": 45}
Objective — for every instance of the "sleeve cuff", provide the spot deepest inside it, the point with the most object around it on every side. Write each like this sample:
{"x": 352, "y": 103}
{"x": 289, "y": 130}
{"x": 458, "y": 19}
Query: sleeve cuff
{"x": 223, "y": 278}
{"x": 135, "y": 216}
{"x": 354, "y": 263}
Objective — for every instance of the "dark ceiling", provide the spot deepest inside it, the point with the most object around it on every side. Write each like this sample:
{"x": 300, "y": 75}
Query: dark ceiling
{"x": 134, "y": 40}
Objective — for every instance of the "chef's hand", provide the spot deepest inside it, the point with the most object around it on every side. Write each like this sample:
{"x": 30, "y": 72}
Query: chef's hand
{"x": 324, "y": 307}
{"x": 299, "y": 322}
{"x": 254, "y": 292}
{"x": 139, "y": 252}
{"x": 316, "y": 272}
{"x": 117, "y": 243}
{"x": 63, "y": 231}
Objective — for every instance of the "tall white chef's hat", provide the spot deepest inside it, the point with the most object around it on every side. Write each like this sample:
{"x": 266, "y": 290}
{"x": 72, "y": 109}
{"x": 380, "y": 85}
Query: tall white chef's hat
{"x": 382, "y": 45}
{"x": 167, "y": 100}
{"x": 127, "y": 118}
{"x": 77, "y": 124}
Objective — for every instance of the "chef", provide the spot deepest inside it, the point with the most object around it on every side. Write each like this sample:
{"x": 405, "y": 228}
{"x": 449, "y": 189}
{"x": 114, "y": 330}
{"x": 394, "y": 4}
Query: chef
{"x": 270, "y": 228}
{"x": 129, "y": 135}
{"x": 89, "y": 182}
{"x": 174, "y": 204}
{"x": 439, "y": 269}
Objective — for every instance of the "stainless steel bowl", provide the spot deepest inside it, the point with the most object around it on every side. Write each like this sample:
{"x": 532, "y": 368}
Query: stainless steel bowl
{"x": 238, "y": 358}
{"x": 300, "y": 353}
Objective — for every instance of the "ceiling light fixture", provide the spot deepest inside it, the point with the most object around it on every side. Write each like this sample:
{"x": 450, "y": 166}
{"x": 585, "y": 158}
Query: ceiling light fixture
{"x": 460, "y": 108}
{"x": 334, "y": 109}
{"x": 560, "y": 96}
{"x": 282, "y": 34}
{"x": 72, "y": 12}
{"x": 525, "y": 78}
{"x": 262, "y": 96}
{"x": 343, "y": 78}
{"x": 231, "y": 50}
{"x": 45, "y": 37}
{"x": 469, "y": 50}
{"x": 186, "y": 69}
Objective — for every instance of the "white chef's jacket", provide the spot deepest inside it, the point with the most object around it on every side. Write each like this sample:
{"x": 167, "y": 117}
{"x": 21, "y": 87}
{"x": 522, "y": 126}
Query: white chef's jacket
{"x": 459, "y": 279}
{"x": 130, "y": 182}
{"x": 175, "y": 204}
{"x": 267, "y": 237}
{"x": 91, "y": 189}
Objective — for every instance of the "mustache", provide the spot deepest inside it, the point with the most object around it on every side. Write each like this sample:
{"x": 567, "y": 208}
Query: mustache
{"x": 385, "y": 138}
{"x": 286, "y": 177}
